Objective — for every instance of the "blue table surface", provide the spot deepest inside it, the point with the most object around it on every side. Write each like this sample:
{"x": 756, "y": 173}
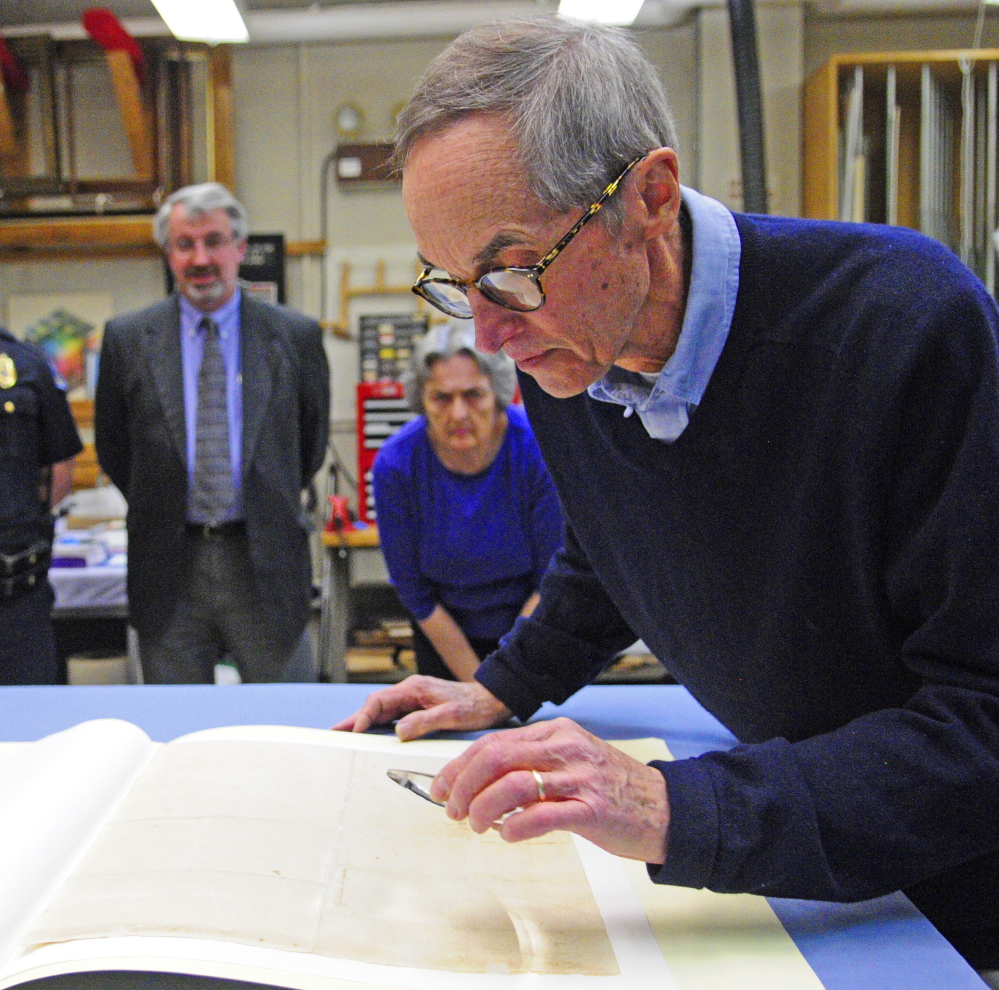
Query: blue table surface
{"x": 874, "y": 945}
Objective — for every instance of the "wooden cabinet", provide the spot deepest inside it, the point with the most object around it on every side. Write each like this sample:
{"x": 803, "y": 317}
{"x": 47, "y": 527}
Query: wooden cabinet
{"x": 907, "y": 138}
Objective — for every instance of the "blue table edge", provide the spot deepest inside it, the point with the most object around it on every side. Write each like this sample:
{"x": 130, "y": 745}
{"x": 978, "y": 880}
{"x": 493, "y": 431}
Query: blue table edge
{"x": 920, "y": 958}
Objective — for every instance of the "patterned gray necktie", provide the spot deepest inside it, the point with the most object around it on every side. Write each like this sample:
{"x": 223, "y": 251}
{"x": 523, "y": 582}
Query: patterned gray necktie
{"x": 213, "y": 497}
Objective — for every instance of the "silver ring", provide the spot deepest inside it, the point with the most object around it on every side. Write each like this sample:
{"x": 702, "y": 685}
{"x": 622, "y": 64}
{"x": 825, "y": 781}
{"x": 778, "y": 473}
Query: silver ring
{"x": 542, "y": 794}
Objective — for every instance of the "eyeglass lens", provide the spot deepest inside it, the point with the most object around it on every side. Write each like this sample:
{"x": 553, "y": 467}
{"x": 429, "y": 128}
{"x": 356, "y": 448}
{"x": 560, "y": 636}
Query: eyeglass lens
{"x": 506, "y": 288}
{"x": 512, "y": 289}
{"x": 211, "y": 242}
{"x": 448, "y": 298}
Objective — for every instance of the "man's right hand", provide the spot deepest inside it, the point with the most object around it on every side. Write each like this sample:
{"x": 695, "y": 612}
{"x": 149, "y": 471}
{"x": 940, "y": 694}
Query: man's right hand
{"x": 427, "y": 704}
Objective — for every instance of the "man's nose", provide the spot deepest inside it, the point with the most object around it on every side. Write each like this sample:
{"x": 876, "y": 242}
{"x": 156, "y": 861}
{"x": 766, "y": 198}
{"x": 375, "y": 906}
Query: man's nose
{"x": 494, "y": 325}
{"x": 200, "y": 254}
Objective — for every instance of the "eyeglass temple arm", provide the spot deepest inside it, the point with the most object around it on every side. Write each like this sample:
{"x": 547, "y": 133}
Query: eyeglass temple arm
{"x": 540, "y": 267}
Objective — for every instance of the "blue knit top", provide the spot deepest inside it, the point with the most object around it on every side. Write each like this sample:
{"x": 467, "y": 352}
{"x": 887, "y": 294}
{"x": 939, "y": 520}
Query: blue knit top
{"x": 476, "y": 544}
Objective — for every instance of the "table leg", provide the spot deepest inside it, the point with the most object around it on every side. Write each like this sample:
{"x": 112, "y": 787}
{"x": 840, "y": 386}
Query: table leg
{"x": 134, "y": 657}
{"x": 334, "y": 614}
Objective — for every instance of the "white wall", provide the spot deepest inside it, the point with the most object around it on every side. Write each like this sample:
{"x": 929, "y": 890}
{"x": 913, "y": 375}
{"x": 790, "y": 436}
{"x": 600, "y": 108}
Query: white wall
{"x": 825, "y": 36}
{"x": 132, "y": 282}
{"x": 285, "y": 101}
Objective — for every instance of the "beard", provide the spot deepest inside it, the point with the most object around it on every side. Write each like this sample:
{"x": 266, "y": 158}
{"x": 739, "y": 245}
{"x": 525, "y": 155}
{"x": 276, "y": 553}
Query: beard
{"x": 202, "y": 296}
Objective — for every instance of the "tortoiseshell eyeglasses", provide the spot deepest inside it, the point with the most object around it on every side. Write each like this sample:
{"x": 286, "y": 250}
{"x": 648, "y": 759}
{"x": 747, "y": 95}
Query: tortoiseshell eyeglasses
{"x": 518, "y": 289}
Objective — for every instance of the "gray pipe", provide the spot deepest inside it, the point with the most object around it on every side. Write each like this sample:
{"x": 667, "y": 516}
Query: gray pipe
{"x": 742, "y": 17}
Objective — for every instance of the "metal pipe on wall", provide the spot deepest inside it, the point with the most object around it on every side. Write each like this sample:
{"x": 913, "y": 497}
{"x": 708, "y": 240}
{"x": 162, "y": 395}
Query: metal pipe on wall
{"x": 749, "y": 103}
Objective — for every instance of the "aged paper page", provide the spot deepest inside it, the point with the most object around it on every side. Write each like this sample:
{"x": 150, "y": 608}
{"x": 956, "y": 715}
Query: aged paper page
{"x": 311, "y": 848}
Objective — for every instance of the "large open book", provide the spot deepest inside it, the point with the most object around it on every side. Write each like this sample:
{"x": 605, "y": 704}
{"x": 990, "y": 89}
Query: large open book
{"x": 287, "y": 857}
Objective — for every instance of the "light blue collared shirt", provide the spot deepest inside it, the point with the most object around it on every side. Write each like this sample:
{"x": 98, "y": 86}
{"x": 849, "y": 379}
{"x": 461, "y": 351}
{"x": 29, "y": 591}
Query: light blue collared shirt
{"x": 192, "y": 347}
{"x": 665, "y": 402}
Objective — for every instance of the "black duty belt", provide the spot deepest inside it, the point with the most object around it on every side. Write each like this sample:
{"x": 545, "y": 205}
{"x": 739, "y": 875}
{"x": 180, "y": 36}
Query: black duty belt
{"x": 20, "y": 572}
{"x": 207, "y": 532}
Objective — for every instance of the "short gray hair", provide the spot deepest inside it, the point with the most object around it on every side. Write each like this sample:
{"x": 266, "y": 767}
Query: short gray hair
{"x": 445, "y": 341}
{"x": 582, "y": 101}
{"x": 198, "y": 200}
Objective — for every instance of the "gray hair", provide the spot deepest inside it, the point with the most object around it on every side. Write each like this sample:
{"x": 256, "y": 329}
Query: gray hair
{"x": 198, "y": 200}
{"x": 582, "y": 101}
{"x": 445, "y": 342}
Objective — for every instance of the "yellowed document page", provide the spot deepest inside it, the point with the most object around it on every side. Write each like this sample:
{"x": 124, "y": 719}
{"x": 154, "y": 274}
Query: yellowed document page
{"x": 311, "y": 848}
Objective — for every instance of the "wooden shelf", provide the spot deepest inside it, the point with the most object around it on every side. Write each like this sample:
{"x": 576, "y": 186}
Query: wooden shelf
{"x": 89, "y": 235}
{"x": 304, "y": 249}
{"x": 81, "y": 238}
{"x": 822, "y": 123}
{"x": 352, "y": 538}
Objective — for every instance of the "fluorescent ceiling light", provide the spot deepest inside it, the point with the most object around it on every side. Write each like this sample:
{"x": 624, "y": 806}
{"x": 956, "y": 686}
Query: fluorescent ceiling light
{"x": 203, "y": 20}
{"x": 604, "y": 11}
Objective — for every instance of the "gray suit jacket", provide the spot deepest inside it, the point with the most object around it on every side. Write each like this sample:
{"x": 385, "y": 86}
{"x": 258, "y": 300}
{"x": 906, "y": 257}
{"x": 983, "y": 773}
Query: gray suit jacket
{"x": 140, "y": 435}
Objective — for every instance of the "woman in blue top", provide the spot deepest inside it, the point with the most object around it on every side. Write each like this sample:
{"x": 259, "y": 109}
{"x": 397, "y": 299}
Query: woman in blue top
{"x": 467, "y": 513}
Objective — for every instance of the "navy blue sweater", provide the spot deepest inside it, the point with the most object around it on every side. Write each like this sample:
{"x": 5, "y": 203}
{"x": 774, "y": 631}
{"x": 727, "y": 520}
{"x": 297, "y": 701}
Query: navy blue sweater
{"x": 815, "y": 559}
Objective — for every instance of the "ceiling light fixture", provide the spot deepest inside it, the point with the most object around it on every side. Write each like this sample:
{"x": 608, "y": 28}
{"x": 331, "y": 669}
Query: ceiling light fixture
{"x": 213, "y": 21}
{"x": 604, "y": 11}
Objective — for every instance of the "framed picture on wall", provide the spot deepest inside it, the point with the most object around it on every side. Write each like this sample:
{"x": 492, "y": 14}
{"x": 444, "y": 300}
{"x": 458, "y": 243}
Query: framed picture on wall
{"x": 69, "y": 328}
{"x": 262, "y": 270}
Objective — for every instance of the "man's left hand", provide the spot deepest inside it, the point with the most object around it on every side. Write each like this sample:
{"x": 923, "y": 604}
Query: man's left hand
{"x": 590, "y": 788}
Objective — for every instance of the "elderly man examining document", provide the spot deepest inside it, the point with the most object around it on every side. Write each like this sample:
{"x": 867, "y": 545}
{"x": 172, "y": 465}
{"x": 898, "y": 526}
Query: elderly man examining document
{"x": 776, "y": 443}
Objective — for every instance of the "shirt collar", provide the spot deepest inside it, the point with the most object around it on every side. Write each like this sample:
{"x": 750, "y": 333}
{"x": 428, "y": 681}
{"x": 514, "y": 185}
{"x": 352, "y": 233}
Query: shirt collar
{"x": 714, "y": 284}
{"x": 224, "y": 317}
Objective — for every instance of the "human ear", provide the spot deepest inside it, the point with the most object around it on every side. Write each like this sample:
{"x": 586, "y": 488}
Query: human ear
{"x": 657, "y": 185}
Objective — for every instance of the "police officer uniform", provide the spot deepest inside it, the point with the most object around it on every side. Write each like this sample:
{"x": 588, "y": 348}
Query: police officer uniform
{"x": 36, "y": 431}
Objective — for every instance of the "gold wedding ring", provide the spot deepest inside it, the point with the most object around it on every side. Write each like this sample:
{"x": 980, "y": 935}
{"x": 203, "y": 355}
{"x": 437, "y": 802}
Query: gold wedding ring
{"x": 542, "y": 795}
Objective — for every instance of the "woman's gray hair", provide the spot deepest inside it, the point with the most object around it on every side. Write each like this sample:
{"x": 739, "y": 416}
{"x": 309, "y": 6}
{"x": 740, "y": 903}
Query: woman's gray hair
{"x": 445, "y": 341}
{"x": 582, "y": 101}
{"x": 198, "y": 200}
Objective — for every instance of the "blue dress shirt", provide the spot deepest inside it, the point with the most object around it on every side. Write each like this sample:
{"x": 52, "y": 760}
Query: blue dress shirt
{"x": 664, "y": 402}
{"x": 192, "y": 347}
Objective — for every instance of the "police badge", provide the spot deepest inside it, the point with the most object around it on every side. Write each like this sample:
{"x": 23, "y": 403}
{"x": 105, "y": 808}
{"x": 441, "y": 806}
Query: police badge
{"x": 8, "y": 371}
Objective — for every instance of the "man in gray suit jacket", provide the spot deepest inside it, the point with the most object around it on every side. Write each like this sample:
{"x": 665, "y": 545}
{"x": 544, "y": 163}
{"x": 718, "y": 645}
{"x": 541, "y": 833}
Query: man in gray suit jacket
{"x": 212, "y": 416}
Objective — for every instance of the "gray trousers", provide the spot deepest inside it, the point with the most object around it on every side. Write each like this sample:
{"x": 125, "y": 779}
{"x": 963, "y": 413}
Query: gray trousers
{"x": 218, "y": 616}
